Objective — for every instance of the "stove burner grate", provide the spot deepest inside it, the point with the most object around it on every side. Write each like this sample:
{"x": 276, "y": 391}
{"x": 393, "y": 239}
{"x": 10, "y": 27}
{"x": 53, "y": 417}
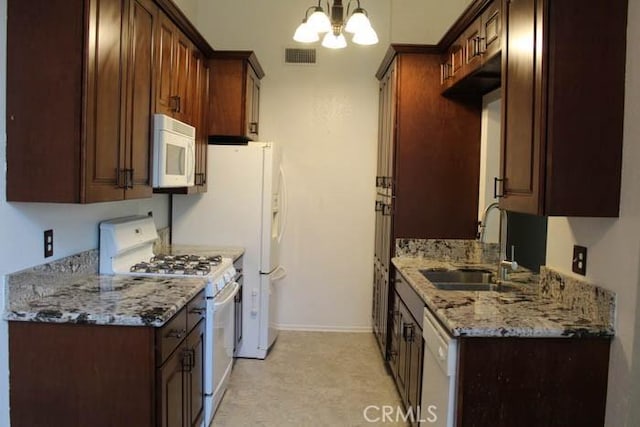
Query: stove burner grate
{"x": 192, "y": 265}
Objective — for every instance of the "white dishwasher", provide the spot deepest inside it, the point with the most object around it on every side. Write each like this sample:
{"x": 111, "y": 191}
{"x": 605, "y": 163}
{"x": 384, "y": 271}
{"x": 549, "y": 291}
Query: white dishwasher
{"x": 439, "y": 373}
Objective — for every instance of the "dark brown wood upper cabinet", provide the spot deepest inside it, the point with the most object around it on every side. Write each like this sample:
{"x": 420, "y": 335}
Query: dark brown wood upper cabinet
{"x": 165, "y": 51}
{"x": 471, "y": 65}
{"x": 182, "y": 92}
{"x": 563, "y": 112}
{"x": 194, "y": 107}
{"x": 175, "y": 72}
{"x": 79, "y": 127}
{"x": 490, "y": 42}
{"x": 431, "y": 148}
{"x": 235, "y": 94}
{"x": 140, "y": 96}
{"x": 199, "y": 96}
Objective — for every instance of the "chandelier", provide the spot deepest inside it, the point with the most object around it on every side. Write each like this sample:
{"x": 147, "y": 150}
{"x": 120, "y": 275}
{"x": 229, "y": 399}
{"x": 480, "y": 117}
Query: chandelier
{"x": 318, "y": 23}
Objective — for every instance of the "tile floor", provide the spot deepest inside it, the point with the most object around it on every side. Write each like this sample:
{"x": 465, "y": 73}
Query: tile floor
{"x": 310, "y": 379}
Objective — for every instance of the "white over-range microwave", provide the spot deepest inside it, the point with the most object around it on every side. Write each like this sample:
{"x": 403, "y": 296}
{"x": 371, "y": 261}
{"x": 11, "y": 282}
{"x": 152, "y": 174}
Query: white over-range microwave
{"x": 174, "y": 156}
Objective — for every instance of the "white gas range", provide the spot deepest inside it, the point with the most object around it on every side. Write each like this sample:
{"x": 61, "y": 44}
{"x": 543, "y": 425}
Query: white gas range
{"x": 126, "y": 247}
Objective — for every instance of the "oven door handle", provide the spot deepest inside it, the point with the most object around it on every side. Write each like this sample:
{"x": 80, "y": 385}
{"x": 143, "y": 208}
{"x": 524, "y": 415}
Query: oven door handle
{"x": 231, "y": 296}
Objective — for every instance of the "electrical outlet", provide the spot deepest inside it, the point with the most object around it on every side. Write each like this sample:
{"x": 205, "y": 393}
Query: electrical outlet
{"x": 48, "y": 243}
{"x": 579, "y": 264}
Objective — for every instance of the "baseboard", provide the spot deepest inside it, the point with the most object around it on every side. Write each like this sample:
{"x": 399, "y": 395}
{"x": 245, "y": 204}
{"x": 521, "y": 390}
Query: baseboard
{"x": 318, "y": 328}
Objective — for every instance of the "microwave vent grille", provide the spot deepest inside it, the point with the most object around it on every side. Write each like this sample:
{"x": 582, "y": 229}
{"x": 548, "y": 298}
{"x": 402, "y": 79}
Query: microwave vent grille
{"x": 299, "y": 56}
{"x": 181, "y": 128}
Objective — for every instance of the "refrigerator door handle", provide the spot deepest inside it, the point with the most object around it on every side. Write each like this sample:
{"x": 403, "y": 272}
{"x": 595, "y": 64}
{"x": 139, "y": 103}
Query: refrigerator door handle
{"x": 278, "y": 274}
{"x": 283, "y": 197}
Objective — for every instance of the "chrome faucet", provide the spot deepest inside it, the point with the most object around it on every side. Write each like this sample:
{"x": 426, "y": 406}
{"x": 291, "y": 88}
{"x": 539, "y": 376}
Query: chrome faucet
{"x": 505, "y": 265}
{"x": 482, "y": 225}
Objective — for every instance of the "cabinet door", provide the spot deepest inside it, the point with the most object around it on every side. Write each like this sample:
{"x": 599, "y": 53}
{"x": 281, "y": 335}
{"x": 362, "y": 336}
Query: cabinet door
{"x": 387, "y": 237}
{"x": 390, "y": 139}
{"x": 252, "y": 103}
{"x": 522, "y": 80}
{"x": 165, "y": 51}
{"x": 394, "y": 336}
{"x": 404, "y": 350}
{"x": 457, "y": 60}
{"x": 445, "y": 71}
{"x": 140, "y": 76}
{"x": 473, "y": 46}
{"x": 181, "y": 76}
{"x": 171, "y": 385}
{"x": 104, "y": 175}
{"x": 374, "y": 303}
{"x": 383, "y": 309}
{"x": 492, "y": 30}
{"x": 415, "y": 368}
{"x": 202, "y": 133}
{"x": 226, "y": 111}
{"x": 194, "y": 376}
{"x": 193, "y": 89}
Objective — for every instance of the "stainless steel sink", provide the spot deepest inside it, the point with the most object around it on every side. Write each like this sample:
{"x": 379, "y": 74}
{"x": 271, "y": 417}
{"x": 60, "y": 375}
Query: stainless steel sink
{"x": 458, "y": 276}
{"x": 466, "y": 286}
{"x": 462, "y": 279}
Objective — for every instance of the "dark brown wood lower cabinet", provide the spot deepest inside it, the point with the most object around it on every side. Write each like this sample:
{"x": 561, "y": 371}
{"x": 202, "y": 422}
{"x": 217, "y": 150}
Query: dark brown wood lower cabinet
{"x": 171, "y": 391}
{"x": 194, "y": 377}
{"x": 181, "y": 382}
{"x": 68, "y": 375}
{"x": 406, "y": 349}
{"x": 65, "y": 375}
{"x": 532, "y": 382}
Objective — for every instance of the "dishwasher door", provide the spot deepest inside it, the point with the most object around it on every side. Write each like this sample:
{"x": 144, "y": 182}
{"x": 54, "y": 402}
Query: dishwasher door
{"x": 437, "y": 408}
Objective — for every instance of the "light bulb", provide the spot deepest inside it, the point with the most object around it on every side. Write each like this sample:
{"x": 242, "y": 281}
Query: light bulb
{"x": 319, "y": 21}
{"x": 357, "y": 22}
{"x": 304, "y": 34}
{"x": 333, "y": 41}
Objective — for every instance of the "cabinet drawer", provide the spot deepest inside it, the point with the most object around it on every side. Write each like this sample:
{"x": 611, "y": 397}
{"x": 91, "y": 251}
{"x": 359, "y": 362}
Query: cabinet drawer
{"x": 171, "y": 335}
{"x": 196, "y": 310}
{"x": 411, "y": 299}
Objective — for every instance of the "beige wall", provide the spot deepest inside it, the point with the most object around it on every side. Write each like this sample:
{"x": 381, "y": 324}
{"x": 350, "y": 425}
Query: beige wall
{"x": 614, "y": 251}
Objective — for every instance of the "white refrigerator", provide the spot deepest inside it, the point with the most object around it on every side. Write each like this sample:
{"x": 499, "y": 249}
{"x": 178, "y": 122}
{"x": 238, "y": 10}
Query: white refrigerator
{"x": 245, "y": 205}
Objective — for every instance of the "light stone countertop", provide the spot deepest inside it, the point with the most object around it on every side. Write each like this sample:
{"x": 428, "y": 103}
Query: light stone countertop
{"x": 70, "y": 290}
{"x": 100, "y": 299}
{"x": 551, "y": 305}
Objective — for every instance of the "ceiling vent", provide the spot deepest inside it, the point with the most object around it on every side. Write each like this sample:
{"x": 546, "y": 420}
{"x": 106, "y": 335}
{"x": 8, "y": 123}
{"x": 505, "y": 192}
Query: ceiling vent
{"x": 299, "y": 56}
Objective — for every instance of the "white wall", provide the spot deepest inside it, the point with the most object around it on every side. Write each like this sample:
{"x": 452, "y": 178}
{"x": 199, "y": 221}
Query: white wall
{"x": 22, "y": 224}
{"x": 614, "y": 251}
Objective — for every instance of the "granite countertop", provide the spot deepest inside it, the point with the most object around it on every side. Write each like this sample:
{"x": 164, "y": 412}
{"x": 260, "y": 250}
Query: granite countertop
{"x": 549, "y": 305}
{"x": 100, "y": 299}
{"x": 71, "y": 290}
